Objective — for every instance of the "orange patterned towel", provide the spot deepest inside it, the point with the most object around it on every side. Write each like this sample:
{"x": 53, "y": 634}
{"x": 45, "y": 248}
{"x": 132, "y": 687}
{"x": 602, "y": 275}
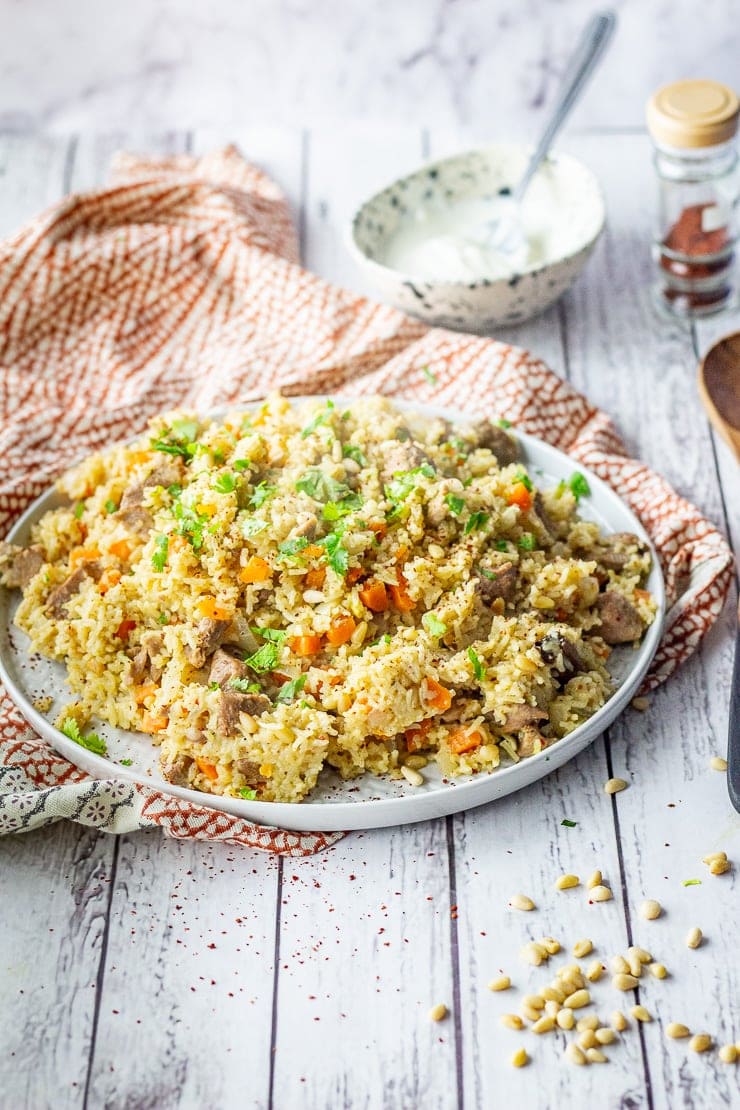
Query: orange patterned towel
{"x": 180, "y": 285}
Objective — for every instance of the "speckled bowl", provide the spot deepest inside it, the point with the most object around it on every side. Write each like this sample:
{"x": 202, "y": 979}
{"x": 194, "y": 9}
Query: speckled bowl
{"x": 481, "y": 305}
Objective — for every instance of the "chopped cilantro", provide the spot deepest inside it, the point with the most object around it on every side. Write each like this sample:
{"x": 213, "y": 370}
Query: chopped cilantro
{"x": 334, "y": 510}
{"x": 261, "y": 494}
{"x": 568, "y": 824}
{"x": 110, "y": 506}
{"x": 289, "y": 689}
{"x": 274, "y": 635}
{"x": 454, "y": 504}
{"x": 247, "y": 793}
{"x": 579, "y": 487}
{"x": 478, "y": 668}
{"x": 502, "y": 545}
{"x": 92, "y": 741}
{"x": 244, "y": 686}
{"x": 125, "y": 762}
{"x": 691, "y": 882}
{"x": 526, "y": 541}
{"x": 159, "y": 558}
{"x": 318, "y": 420}
{"x": 404, "y": 481}
{"x": 163, "y": 618}
{"x": 503, "y": 423}
{"x": 175, "y": 489}
{"x": 322, "y": 487}
{"x": 486, "y": 573}
{"x": 460, "y": 445}
{"x": 523, "y": 479}
{"x": 241, "y": 464}
{"x": 190, "y": 524}
{"x": 351, "y": 451}
{"x": 433, "y": 624}
{"x": 252, "y": 527}
{"x": 289, "y": 548}
{"x": 264, "y": 659}
{"x": 79, "y": 509}
{"x": 178, "y": 439}
{"x": 213, "y": 686}
{"x": 225, "y": 483}
{"x": 430, "y": 377}
{"x": 476, "y": 521}
{"x": 337, "y": 555}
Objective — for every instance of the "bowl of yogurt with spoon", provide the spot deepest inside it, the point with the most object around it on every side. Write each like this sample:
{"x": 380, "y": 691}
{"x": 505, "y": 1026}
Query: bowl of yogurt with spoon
{"x": 430, "y": 242}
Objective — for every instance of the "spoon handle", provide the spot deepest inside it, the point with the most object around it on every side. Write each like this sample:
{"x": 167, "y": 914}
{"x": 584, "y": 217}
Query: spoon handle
{"x": 733, "y": 738}
{"x": 591, "y": 47}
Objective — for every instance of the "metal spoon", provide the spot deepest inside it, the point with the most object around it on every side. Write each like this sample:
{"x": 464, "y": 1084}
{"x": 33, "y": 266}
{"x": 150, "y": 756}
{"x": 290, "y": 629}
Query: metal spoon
{"x": 719, "y": 388}
{"x": 505, "y": 232}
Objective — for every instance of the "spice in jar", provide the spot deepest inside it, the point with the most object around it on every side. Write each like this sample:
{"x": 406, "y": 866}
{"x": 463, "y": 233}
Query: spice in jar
{"x": 693, "y": 125}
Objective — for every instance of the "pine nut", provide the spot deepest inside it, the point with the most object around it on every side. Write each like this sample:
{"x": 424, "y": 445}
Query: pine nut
{"x": 676, "y": 1030}
{"x": 574, "y": 1054}
{"x": 594, "y": 971}
{"x": 565, "y": 1018}
{"x": 728, "y": 1053}
{"x": 501, "y": 984}
{"x": 642, "y": 954}
{"x": 658, "y": 971}
{"x": 531, "y": 954}
{"x": 552, "y": 1008}
{"x": 700, "y": 1042}
{"x": 605, "y": 1035}
{"x": 596, "y": 1056}
{"x": 566, "y": 882}
{"x": 545, "y": 1024}
{"x": 694, "y": 937}
{"x": 511, "y": 1021}
{"x": 719, "y": 866}
{"x": 587, "y": 1039}
{"x": 553, "y": 993}
{"x": 640, "y": 704}
{"x": 717, "y": 763}
{"x": 578, "y": 999}
{"x": 650, "y": 909}
{"x": 594, "y": 880}
{"x": 521, "y": 902}
{"x": 551, "y": 946}
{"x": 639, "y": 1013}
{"x": 600, "y": 894}
{"x": 614, "y": 786}
{"x": 520, "y": 1058}
{"x": 582, "y": 948}
{"x": 413, "y": 778}
{"x": 438, "y": 1012}
{"x": 625, "y": 982}
{"x": 534, "y": 1001}
{"x": 619, "y": 1021}
{"x": 529, "y": 1013}
{"x": 635, "y": 966}
{"x": 713, "y": 856}
{"x": 569, "y": 971}
{"x": 590, "y": 1021}
{"x": 619, "y": 965}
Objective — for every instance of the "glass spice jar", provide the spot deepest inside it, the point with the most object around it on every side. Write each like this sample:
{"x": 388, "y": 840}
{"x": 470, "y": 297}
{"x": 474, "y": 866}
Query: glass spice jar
{"x": 693, "y": 125}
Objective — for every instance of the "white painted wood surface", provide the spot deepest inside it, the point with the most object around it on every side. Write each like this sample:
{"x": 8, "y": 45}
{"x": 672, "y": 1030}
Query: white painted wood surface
{"x": 142, "y": 972}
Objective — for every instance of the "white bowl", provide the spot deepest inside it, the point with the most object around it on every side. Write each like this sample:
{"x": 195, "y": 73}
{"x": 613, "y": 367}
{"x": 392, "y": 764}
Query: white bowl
{"x": 486, "y": 303}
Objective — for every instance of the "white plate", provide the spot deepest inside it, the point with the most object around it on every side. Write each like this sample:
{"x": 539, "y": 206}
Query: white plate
{"x": 364, "y": 803}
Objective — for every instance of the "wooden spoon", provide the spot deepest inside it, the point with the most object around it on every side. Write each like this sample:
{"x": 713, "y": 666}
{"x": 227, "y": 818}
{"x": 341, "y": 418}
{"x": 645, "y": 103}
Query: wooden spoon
{"x": 719, "y": 387}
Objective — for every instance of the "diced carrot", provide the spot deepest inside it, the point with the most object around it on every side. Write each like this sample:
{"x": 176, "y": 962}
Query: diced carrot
{"x": 137, "y": 457}
{"x": 312, "y": 551}
{"x": 208, "y": 769}
{"x": 147, "y": 690}
{"x": 153, "y": 724}
{"x": 354, "y": 574}
{"x": 642, "y": 595}
{"x": 82, "y": 555}
{"x": 402, "y": 553}
{"x": 417, "y": 734}
{"x": 374, "y": 596}
{"x": 208, "y": 607}
{"x": 437, "y": 696}
{"x": 400, "y": 596}
{"x": 121, "y": 549}
{"x": 340, "y": 631}
{"x": 520, "y": 495}
{"x": 380, "y": 528}
{"x": 125, "y": 629}
{"x": 109, "y": 577}
{"x": 463, "y": 739}
{"x": 315, "y": 578}
{"x": 305, "y": 645}
{"x": 255, "y": 570}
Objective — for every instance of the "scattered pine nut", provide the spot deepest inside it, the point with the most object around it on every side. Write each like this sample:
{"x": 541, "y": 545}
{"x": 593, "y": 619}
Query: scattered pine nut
{"x": 640, "y": 704}
{"x": 534, "y": 1001}
{"x": 619, "y": 1021}
{"x": 565, "y": 1018}
{"x": 717, "y": 763}
{"x": 639, "y": 1013}
{"x": 521, "y": 902}
{"x": 642, "y": 954}
{"x": 574, "y": 1054}
{"x": 438, "y": 1012}
{"x": 533, "y": 953}
{"x": 545, "y": 1024}
{"x": 530, "y": 1013}
{"x": 582, "y": 948}
{"x": 578, "y": 999}
{"x": 700, "y": 1042}
{"x": 619, "y": 965}
{"x": 676, "y": 1030}
{"x": 694, "y": 937}
{"x": 625, "y": 982}
{"x": 566, "y": 882}
{"x": 552, "y": 1008}
{"x": 600, "y": 894}
{"x": 658, "y": 971}
{"x": 501, "y": 984}
{"x": 553, "y": 993}
{"x": 594, "y": 880}
{"x": 587, "y": 1039}
{"x": 413, "y": 778}
{"x": 713, "y": 856}
{"x": 594, "y": 971}
{"x": 511, "y": 1021}
{"x": 590, "y": 1021}
{"x": 551, "y": 946}
{"x": 596, "y": 1056}
{"x": 520, "y": 1058}
{"x": 605, "y": 1035}
{"x": 650, "y": 909}
{"x": 635, "y": 965}
{"x": 719, "y": 866}
{"x": 728, "y": 1053}
{"x": 614, "y": 786}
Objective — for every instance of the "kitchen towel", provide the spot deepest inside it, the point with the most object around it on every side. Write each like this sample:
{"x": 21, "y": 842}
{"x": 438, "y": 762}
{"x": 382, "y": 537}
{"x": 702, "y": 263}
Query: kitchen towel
{"x": 180, "y": 285}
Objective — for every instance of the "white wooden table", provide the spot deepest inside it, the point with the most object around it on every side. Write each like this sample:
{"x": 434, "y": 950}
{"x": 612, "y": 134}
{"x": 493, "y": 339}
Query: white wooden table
{"x": 147, "y": 973}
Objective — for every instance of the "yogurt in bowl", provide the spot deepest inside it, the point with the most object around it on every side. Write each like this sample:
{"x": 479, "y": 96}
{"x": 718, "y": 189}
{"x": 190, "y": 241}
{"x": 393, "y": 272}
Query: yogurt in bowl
{"x": 426, "y": 241}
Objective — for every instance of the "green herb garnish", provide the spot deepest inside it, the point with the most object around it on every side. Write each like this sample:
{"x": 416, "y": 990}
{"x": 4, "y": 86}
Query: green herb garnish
{"x": 454, "y": 504}
{"x": 261, "y": 494}
{"x": 503, "y": 423}
{"x": 430, "y": 377}
{"x": 318, "y": 420}
{"x": 225, "y": 483}
{"x": 92, "y": 741}
{"x": 289, "y": 548}
{"x": 433, "y": 625}
{"x": 190, "y": 524}
{"x": 79, "y": 509}
{"x": 110, "y": 506}
{"x": 334, "y": 510}
{"x": 252, "y": 527}
{"x": 159, "y": 558}
{"x": 691, "y": 882}
{"x": 526, "y": 541}
{"x": 244, "y": 686}
{"x": 125, "y": 762}
{"x": 337, "y": 555}
{"x": 351, "y": 451}
{"x": 476, "y": 521}
{"x": 247, "y": 793}
{"x": 289, "y": 689}
{"x": 486, "y": 573}
{"x": 404, "y": 481}
{"x": 241, "y": 464}
{"x": 502, "y": 545}
{"x": 178, "y": 439}
{"x": 274, "y": 635}
{"x": 523, "y": 479}
{"x": 163, "y": 618}
{"x": 568, "y": 824}
{"x": 578, "y": 485}
{"x": 264, "y": 659}
{"x": 478, "y": 668}
{"x": 322, "y": 487}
